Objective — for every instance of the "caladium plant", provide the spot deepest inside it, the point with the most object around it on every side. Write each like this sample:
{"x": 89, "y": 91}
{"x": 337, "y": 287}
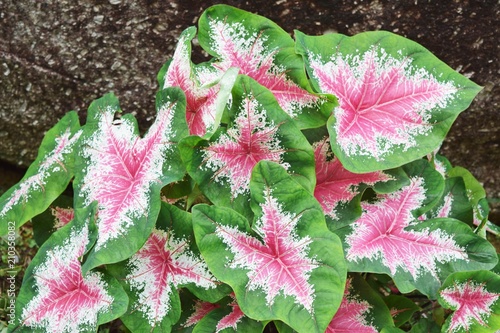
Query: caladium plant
{"x": 288, "y": 184}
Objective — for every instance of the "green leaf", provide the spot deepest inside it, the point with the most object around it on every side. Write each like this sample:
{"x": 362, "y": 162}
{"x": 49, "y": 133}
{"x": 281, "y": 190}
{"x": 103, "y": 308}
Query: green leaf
{"x": 46, "y": 178}
{"x": 397, "y": 101}
{"x": 287, "y": 266}
{"x": 475, "y": 193}
{"x": 402, "y": 308}
{"x": 46, "y": 223}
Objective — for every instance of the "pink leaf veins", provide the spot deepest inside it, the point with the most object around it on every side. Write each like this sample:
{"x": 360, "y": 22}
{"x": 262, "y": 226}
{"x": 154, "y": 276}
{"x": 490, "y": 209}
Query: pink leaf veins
{"x": 122, "y": 168}
{"x": 383, "y": 101}
{"x": 350, "y": 317}
{"x": 200, "y": 100}
{"x": 232, "y": 319}
{"x": 65, "y": 299}
{"x": 249, "y": 141}
{"x": 62, "y": 216}
{"x": 335, "y": 184}
{"x": 51, "y": 163}
{"x": 163, "y": 263}
{"x": 472, "y": 303}
{"x": 379, "y": 234}
{"x": 201, "y": 309}
{"x": 277, "y": 264}
{"x": 238, "y": 47}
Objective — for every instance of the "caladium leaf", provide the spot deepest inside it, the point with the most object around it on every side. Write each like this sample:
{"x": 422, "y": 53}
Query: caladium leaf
{"x": 265, "y": 52}
{"x": 168, "y": 261}
{"x": 334, "y": 184}
{"x": 205, "y": 101}
{"x": 397, "y": 101}
{"x": 223, "y": 316}
{"x": 56, "y": 297}
{"x": 389, "y": 238}
{"x": 47, "y": 177}
{"x": 475, "y": 299}
{"x": 287, "y": 263}
{"x": 361, "y": 310}
{"x": 258, "y": 130}
{"x": 124, "y": 173}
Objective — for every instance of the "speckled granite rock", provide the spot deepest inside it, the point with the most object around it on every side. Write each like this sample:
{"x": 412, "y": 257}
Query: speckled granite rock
{"x": 57, "y": 56}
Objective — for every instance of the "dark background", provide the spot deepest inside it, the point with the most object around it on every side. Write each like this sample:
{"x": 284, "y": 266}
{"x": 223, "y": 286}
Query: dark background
{"x": 60, "y": 55}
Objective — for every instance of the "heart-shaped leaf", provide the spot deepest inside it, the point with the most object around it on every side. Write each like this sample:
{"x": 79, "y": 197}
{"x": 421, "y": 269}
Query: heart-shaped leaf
{"x": 287, "y": 266}
{"x": 206, "y": 96}
{"x": 474, "y": 297}
{"x": 265, "y": 52}
{"x": 47, "y": 177}
{"x": 397, "y": 101}
{"x": 124, "y": 173}
{"x": 389, "y": 238}
{"x": 258, "y": 130}
{"x": 168, "y": 261}
{"x": 56, "y": 297}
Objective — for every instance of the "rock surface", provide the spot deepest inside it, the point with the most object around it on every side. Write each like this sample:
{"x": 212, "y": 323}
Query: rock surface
{"x": 59, "y": 55}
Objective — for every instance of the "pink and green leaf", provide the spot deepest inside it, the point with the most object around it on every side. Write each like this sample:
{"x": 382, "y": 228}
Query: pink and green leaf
{"x": 265, "y": 52}
{"x": 205, "y": 100}
{"x": 475, "y": 299}
{"x": 287, "y": 262}
{"x": 258, "y": 130}
{"x": 454, "y": 203}
{"x": 389, "y": 238}
{"x": 47, "y": 177}
{"x": 223, "y": 316}
{"x": 168, "y": 261}
{"x": 56, "y": 296}
{"x": 124, "y": 172}
{"x": 361, "y": 310}
{"x": 336, "y": 186}
{"x": 397, "y": 101}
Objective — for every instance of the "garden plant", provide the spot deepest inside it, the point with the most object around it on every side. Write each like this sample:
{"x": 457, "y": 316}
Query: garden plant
{"x": 286, "y": 184}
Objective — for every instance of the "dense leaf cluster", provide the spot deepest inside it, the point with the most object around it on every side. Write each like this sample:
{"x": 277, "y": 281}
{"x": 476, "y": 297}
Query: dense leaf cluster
{"x": 286, "y": 182}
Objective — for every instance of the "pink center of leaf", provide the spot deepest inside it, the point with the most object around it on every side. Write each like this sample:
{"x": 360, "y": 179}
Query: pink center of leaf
{"x": 251, "y": 140}
{"x": 383, "y": 101}
{"x": 379, "y": 234}
{"x": 66, "y": 301}
{"x": 351, "y": 315}
{"x": 280, "y": 262}
{"x": 238, "y": 47}
{"x": 122, "y": 168}
{"x": 162, "y": 263}
{"x": 471, "y": 302}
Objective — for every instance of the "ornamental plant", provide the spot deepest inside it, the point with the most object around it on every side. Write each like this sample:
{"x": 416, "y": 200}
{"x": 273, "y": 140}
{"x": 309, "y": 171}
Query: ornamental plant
{"x": 287, "y": 184}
